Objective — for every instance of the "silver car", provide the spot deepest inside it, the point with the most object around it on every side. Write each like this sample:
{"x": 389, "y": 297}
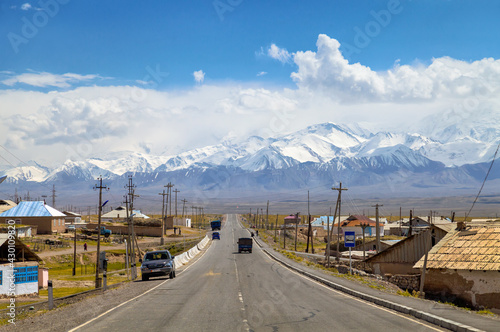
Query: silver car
{"x": 157, "y": 263}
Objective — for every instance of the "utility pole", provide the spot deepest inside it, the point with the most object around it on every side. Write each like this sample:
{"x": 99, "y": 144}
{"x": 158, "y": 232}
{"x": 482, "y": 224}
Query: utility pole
{"x": 163, "y": 194}
{"x": 284, "y": 235}
{"x": 267, "y": 215}
{"x": 339, "y": 203}
{"x": 176, "y": 191}
{"x": 100, "y": 187}
{"x": 192, "y": 214}
{"x": 169, "y": 190}
{"x": 129, "y": 240}
{"x": 54, "y": 196}
{"x": 410, "y": 224}
{"x": 363, "y": 227}
{"x": 377, "y": 226}
{"x": 296, "y": 228}
{"x": 184, "y": 201}
{"x": 309, "y": 225}
{"x": 74, "y": 254}
{"x": 330, "y": 231}
{"x": 261, "y": 218}
{"x": 131, "y": 190}
{"x": 276, "y": 229}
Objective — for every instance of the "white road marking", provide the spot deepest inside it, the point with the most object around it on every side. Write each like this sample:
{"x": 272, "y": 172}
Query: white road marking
{"x": 138, "y": 296}
{"x": 240, "y": 295}
{"x": 361, "y": 300}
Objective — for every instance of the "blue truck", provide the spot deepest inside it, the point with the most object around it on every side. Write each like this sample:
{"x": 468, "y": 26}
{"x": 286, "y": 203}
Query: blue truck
{"x": 215, "y": 225}
{"x": 245, "y": 244}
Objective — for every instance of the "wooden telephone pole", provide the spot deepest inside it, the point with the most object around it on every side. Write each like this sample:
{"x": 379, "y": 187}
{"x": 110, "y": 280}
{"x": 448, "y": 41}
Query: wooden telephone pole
{"x": 100, "y": 187}
{"x": 377, "y": 226}
{"x": 339, "y": 203}
{"x": 176, "y": 191}
{"x": 184, "y": 201}
{"x": 163, "y": 194}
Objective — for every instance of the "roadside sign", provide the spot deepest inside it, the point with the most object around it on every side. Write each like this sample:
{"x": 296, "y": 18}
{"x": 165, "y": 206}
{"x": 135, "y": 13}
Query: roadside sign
{"x": 349, "y": 239}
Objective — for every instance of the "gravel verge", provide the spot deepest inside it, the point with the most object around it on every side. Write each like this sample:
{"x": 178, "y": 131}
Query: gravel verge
{"x": 69, "y": 316}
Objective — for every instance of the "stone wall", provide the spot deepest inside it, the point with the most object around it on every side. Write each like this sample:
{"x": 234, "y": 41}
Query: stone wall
{"x": 405, "y": 281}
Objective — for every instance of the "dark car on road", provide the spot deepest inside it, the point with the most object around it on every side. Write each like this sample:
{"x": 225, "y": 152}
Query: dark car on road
{"x": 215, "y": 236}
{"x": 157, "y": 263}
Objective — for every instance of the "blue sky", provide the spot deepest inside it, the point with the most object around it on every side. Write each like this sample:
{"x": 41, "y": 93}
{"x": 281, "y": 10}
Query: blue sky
{"x": 231, "y": 64}
{"x": 119, "y": 39}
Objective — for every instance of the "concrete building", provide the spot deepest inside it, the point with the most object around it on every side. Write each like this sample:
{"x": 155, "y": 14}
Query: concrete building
{"x": 24, "y": 269}
{"x": 465, "y": 265}
{"x": 47, "y": 219}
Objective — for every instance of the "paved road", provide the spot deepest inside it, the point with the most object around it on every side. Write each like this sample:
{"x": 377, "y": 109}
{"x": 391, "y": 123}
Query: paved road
{"x": 227, "y": 291}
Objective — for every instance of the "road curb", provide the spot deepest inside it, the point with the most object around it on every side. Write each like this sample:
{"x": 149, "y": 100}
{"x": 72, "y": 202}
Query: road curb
{"x": 433, "y": 319}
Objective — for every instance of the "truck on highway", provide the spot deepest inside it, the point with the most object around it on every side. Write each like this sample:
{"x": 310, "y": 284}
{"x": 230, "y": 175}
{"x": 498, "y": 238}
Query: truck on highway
{"x": 104, "y": 231}
{"x": 245, "y": 244}
{"x": 215, "y": 225}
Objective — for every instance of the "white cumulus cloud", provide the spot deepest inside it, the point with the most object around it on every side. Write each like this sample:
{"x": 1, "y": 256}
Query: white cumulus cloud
{"x": 26, "y": 6}
{"x": 327, "y": 70}
{"x": 280, "y": 54}
{"x": 199, "y": 76}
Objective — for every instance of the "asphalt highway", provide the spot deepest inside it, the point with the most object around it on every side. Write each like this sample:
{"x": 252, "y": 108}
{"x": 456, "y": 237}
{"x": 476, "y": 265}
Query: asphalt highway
{"x": 228, "y": 291}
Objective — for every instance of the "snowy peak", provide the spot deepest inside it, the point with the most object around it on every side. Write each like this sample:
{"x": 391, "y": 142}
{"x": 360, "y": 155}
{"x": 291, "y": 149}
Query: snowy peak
{"x": 28, "y": 172}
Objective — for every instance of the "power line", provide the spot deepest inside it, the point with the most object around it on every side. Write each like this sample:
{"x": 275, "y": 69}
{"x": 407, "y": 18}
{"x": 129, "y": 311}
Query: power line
{"x": 484, "y": 181}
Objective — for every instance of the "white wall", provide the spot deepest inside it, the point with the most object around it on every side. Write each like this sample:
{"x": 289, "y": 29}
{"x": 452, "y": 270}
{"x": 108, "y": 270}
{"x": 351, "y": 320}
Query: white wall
{"x": 20, "y": 289}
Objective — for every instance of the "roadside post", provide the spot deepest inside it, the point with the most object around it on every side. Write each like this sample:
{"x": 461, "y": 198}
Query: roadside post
{"x": 51, "y": 295}
{"x": 350, "y": 242}
{"x": 105, "y": 273}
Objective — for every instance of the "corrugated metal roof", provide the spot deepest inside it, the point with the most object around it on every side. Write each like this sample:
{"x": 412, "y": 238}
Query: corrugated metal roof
{"x": 32, "y": 209}
{"x": 475, "y": 248}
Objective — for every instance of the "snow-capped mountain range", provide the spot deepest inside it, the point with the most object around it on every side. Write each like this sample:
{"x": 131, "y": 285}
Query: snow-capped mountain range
{"x": 451, "y": 154}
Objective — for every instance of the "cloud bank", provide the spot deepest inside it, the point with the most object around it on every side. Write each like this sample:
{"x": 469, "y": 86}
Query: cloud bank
{"x": 85, "y": 121}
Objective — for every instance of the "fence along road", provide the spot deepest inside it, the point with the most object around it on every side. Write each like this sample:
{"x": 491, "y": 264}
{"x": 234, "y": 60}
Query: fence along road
{"x": 227, "y": 291}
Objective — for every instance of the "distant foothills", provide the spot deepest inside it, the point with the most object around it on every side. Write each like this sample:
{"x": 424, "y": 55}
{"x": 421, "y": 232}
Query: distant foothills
{"x": 449, "y": 158}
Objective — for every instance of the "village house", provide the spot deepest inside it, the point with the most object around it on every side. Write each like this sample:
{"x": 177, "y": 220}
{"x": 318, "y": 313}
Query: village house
{"x": 292, "y": 219}
{"x": 120, "y": 214}
{"x": 400, "y": 257}
{"x": 465, "y": 265}
{"x": 354, "y": 222}
{"x": 24, "y": 267}
{"x": 47, "y": 219}
{"x": 6, "y": 204}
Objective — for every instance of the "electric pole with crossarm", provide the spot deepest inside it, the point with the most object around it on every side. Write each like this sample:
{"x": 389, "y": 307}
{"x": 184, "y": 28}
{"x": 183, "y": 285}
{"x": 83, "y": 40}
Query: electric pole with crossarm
{"x": 339, "y": 202}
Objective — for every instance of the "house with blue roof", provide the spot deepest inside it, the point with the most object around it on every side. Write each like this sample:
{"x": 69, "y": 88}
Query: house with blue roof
{"x": 36, "y": 213}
